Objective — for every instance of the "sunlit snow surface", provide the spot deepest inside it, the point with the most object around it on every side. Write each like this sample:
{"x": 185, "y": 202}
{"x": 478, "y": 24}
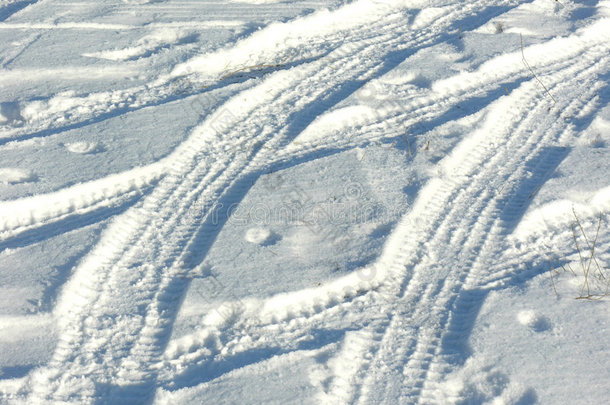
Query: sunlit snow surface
{"x": 261, "y": 201}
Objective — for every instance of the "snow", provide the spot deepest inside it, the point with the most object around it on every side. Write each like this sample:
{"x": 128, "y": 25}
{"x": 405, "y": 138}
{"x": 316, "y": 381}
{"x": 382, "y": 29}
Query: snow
{"x": 9, "y": 175}
{"x": 258, "y": 236}
{"x": 304, "y": 201}
{"x": 84, "y": 147}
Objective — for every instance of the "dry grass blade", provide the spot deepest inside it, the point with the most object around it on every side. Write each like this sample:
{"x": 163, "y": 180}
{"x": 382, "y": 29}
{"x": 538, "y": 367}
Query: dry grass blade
{"x": 552, "y": 279}
{"x": 582, "y": 263}
{"x": 527, "y": 65}
{"x": 595, "y": 284}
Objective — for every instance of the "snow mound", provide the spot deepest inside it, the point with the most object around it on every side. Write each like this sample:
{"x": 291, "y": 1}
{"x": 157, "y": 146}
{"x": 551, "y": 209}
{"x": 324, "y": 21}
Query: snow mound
{"x": 258, "y": 236}
{"x": 145, "y": 46}
{"x": 84, "y": 147}
{"x": 10, "y": 175}
{"x": 531, "y": 319}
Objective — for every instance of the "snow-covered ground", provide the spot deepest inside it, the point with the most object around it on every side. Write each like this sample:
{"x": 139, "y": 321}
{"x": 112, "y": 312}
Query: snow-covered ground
{"x": 294, "y": 201}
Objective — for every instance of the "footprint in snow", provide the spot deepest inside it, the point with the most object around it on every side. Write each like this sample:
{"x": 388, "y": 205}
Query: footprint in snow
{"x": 84, "y": 147}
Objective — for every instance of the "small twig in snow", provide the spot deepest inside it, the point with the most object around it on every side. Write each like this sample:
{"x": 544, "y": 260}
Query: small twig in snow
{"x": 532, "y": 71}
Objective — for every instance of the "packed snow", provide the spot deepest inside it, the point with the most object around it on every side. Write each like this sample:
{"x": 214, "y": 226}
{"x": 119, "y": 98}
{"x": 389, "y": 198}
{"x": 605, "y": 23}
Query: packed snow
{"x": 304, "y": 201}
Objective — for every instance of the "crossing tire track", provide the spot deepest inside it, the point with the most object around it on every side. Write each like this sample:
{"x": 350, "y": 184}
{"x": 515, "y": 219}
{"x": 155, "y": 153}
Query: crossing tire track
{"x": 203, "y": 174}
{"x": 430, "y": 283}
{"x": 484, "y": 198}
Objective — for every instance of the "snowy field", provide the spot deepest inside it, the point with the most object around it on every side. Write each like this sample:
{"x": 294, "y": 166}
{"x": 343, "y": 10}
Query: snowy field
{"x": 304, "y": 201}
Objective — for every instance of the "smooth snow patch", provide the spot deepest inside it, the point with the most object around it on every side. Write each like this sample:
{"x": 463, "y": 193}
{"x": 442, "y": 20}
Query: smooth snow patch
{"x": 10, "y": 114}
{"x": 574, "y": 354}
{"x": 18, "y": 328}
{"x": 29, "y": 75}
{"x": 78, "y": 25}
{"x": 10, "y": 175}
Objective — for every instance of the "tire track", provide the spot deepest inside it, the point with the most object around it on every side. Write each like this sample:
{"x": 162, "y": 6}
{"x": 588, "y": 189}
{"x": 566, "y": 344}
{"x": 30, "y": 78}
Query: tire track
{"x": 146, "y": 348}
{"x": 21, "y": 218}
{"x": 432, "y": 289}
{"x": 492, "y": 208}
{"x": 182, "y": 186}
{"x": 309, "y": 305}
{"x": 25, "y": 215}
{"x": 23, "y": 212}
{"x": 76, "y": 203}
{"x": 96, "y": 107}
{"x": 409, "y": 112}
{"x": 451, "y": 92}
{"x": 200, "y": 177}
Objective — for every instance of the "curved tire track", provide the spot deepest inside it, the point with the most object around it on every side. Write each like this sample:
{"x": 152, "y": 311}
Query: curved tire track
{"x": 97, "y": 330}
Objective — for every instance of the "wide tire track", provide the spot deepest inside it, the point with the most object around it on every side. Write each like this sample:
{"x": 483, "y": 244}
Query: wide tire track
{"x": 89, "y": 329}
{"x": 431, "y": 291}
{"x": 307, "y": 308}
